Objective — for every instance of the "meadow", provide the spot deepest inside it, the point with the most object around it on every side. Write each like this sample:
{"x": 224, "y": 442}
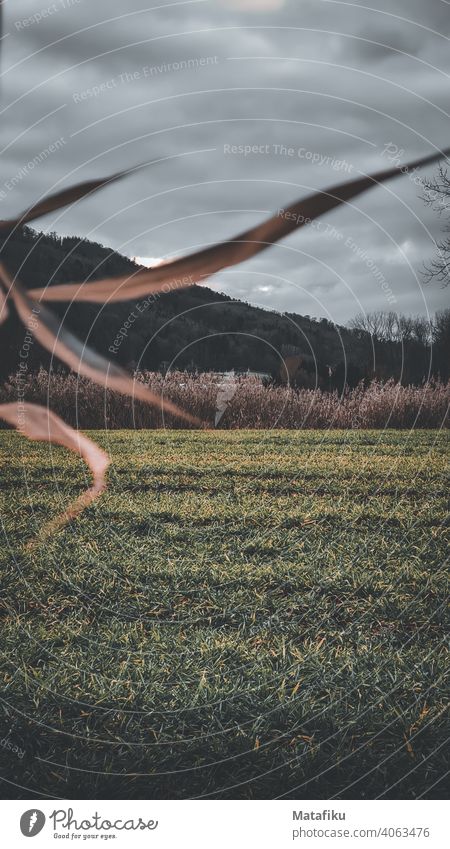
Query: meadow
{"x": 243, "y": 614}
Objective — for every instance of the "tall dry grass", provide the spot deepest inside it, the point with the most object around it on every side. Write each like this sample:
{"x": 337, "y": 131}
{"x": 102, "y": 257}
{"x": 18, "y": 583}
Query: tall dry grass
{"x": 86, "y": 405}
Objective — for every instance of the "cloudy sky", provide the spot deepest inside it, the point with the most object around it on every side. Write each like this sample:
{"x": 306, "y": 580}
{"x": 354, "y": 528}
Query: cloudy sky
{"x": 240, "y": 107}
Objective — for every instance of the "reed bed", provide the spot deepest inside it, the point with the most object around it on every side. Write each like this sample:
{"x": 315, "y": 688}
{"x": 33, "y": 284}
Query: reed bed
{"x": 244, "y": 402}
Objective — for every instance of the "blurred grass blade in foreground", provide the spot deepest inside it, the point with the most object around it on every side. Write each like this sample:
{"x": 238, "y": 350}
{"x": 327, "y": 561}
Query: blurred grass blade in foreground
{"x": 194, "y": 268}
{"x": 51, "y": 333}
{"x": 40, "y": 424}
{"x": 60, "y": 199}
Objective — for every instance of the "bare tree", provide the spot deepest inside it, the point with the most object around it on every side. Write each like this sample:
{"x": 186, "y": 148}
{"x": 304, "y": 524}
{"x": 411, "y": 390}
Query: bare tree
{"x": 372, "y": 323}
{"x": 399, "y": 345}
{"x": 437, "y": 196}
{"x": 441, "y": 343}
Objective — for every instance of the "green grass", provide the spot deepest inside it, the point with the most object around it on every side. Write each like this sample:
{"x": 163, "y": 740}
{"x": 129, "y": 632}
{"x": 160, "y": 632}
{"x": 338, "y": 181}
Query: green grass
{"x": 242, "y": 615}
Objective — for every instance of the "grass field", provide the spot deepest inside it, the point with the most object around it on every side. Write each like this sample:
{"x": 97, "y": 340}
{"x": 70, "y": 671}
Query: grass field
{"x": 244, "y": 614}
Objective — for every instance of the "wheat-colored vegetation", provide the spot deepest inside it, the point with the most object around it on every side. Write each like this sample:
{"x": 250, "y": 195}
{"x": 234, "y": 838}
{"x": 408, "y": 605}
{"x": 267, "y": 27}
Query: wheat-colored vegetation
{"x": 251, "y": 404}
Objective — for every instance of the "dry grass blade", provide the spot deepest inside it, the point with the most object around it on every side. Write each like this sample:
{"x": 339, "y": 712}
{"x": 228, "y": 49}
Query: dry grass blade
{"x": 58, "y": 200}
{"x": 196, "y": 267}
{"x": 48, "y": 330}
{"x": 39, "y": 423}
{"x": 4, "y": 311}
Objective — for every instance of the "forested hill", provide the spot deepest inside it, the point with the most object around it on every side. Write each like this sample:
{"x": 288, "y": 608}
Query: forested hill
{"x": 202, "y": 329}
{"x": 195, "y": 327}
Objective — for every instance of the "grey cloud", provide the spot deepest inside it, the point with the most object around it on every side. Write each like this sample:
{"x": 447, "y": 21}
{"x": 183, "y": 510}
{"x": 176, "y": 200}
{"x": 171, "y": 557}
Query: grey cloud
{"x": 290, "y": 89}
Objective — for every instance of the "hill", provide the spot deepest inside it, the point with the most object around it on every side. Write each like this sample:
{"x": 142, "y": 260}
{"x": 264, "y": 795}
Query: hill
{"x": 199, "y": 329}
{"x": 194, "y": 328}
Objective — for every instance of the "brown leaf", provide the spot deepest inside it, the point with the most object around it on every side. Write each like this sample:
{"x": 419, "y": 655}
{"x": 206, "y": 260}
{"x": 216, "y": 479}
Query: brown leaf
{"x": 48, "y": 330}
{"x": 196, "y": 267}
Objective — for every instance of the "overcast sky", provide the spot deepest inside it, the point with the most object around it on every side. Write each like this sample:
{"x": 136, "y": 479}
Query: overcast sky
{"x": 324, "y": 89}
